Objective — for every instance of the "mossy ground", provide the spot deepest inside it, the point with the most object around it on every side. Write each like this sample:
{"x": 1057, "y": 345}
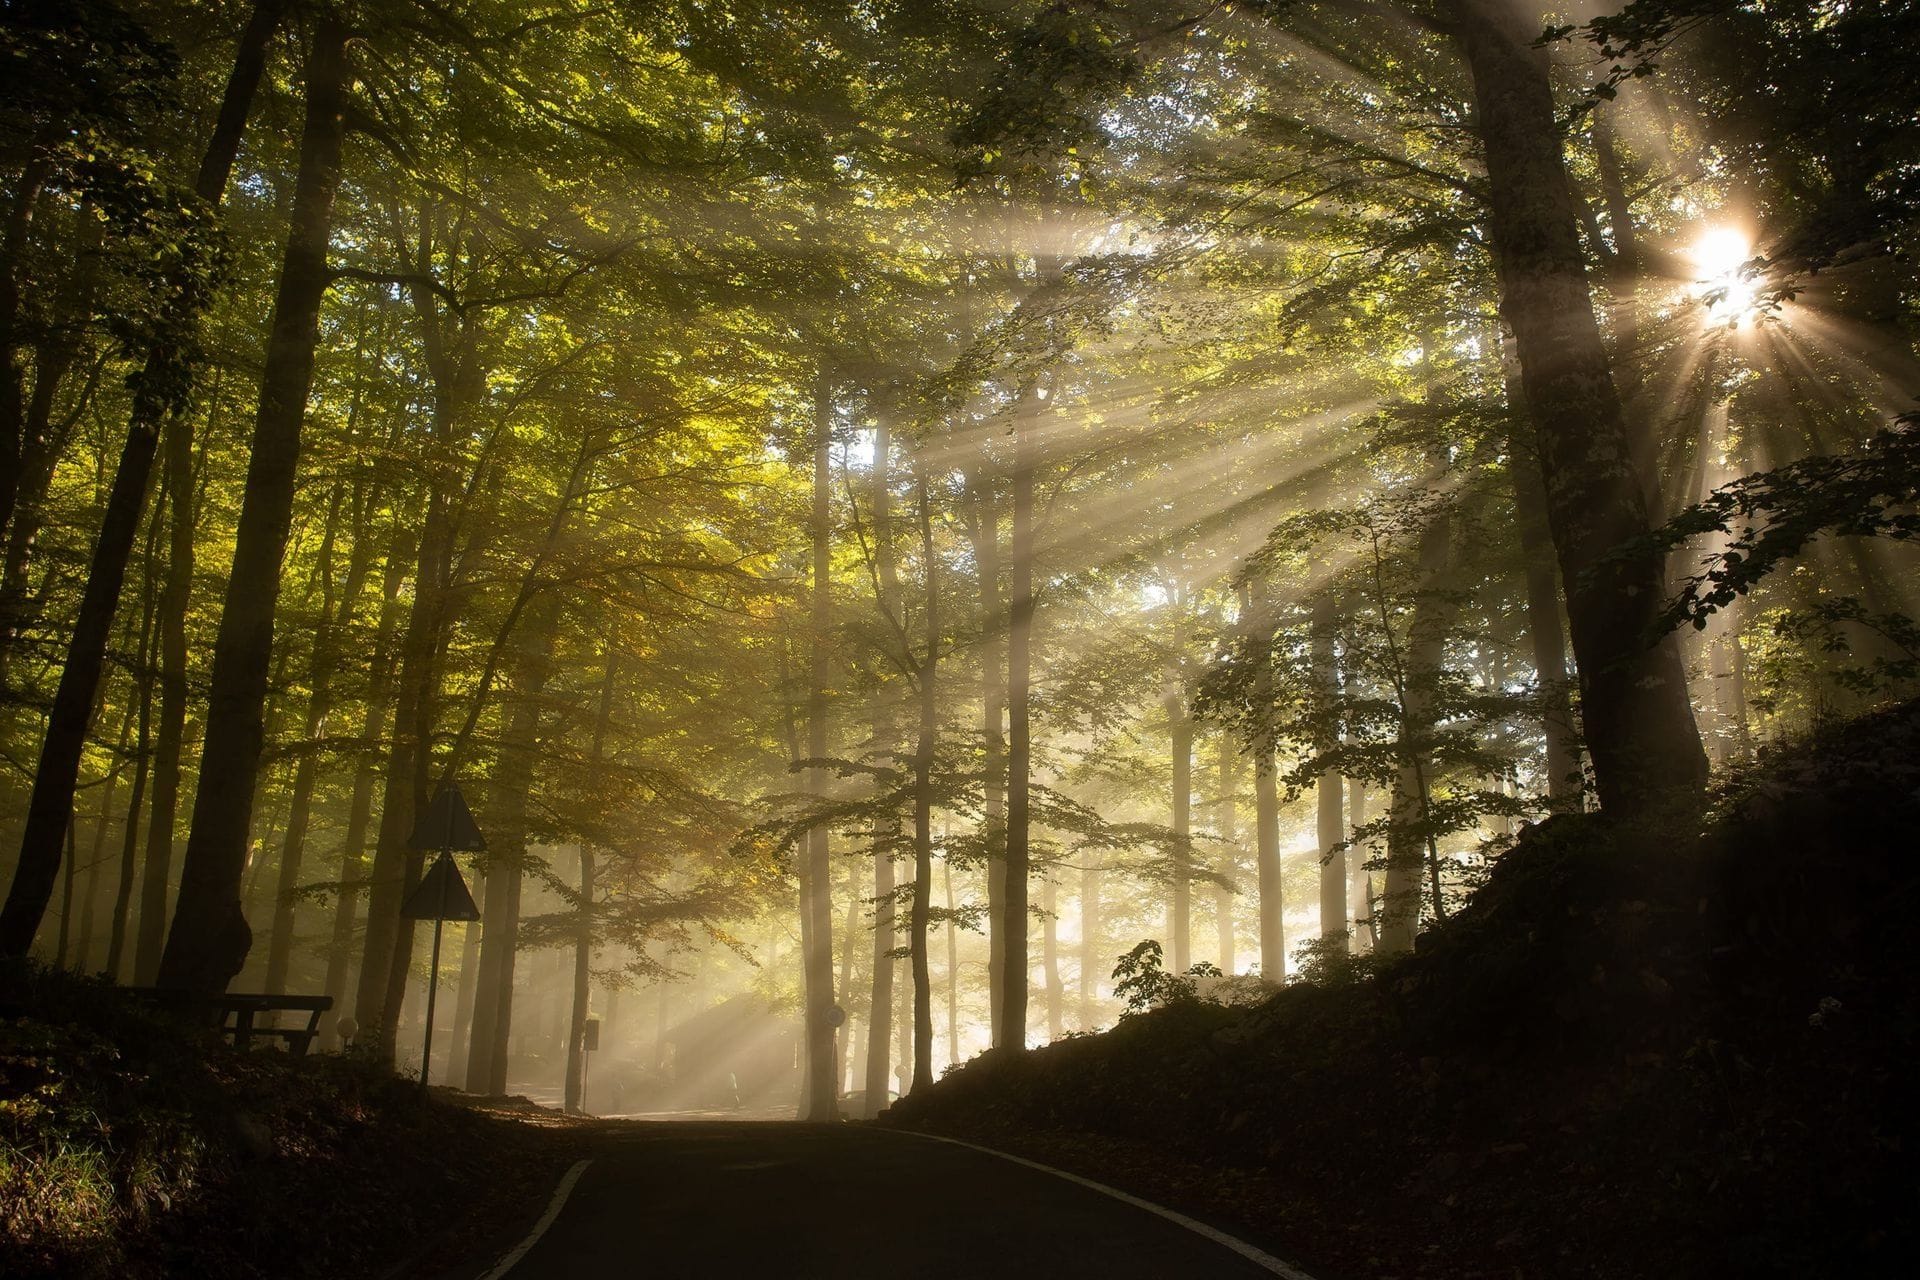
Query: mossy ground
{"x": 1677, "y": 1048}
{"x": 133, "y": 1146}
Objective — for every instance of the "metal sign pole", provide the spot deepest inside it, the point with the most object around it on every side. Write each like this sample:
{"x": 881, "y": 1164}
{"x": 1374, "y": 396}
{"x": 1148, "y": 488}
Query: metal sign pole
{"x": 433, "y": 982}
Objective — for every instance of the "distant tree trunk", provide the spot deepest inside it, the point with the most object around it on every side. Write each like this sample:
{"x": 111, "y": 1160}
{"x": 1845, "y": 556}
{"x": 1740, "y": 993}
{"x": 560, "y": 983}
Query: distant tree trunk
{"x": 459, "y": 1043}
{"x": 1020, "y": 611}
{"x": 1329, "y": 828}
{"x": 880, "y": 997}
{"x": 953, "y": 968}
{"x": 576, "y": 1090}
{"x": 984, "y": 531}
{"x": 1411, "y": 847}
{"x": 373, "y": 732}
{"x": 322, "y": 660}
{"x": 170, "y": 742}
{"x": 1180, "y": 736}
{"x": 1090, "y": 971}
{"x": 923, "y": 762}
{"x": 1223, "y": 890}
{"x": 507, "y": 853}
{"x": 816, "y": 906}
{"x": 142, "y": 761}
{"x": 103, "y": 819}
{"x": 1360, "y": 880}
{"x": 847, "y": 1035}
{"x": 1266, "y": 805}
{"x": 1050, "y": 958}
{"x": 209, "y": 939}
{"x": 1639, "y": 723}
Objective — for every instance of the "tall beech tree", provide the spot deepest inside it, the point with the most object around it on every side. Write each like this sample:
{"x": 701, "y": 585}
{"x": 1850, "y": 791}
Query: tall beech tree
{"x": 160, "y": 390}
{"x": 209, "y": 938}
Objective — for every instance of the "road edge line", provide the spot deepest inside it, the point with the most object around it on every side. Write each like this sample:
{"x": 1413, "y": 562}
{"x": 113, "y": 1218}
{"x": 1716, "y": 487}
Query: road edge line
{"x": 554, "y": 1206}
{"x": 1259, "y": 1257}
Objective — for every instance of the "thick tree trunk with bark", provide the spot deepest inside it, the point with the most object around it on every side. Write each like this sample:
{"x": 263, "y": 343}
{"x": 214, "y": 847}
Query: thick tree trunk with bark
{"x": 50, "y": 806}
{"x": 209, "y": 938}
{"x": 1639, "y": 723}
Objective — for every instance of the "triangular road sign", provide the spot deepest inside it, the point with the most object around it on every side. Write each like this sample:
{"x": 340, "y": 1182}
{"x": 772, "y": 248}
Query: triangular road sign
{"x": 441, "y": 895}
{"x": 447, "y": 823}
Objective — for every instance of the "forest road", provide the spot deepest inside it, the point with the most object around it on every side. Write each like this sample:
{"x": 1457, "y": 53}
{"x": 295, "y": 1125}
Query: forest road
{"x": 721, "y": 1201}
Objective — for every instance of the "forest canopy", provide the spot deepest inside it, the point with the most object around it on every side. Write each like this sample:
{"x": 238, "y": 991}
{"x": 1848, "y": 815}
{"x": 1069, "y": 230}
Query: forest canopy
{"x": 894, "y": 505}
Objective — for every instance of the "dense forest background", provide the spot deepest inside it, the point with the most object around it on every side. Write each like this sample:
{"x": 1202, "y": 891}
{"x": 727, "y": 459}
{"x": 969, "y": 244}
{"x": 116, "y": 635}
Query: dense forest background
{"x": 898, "y": 504}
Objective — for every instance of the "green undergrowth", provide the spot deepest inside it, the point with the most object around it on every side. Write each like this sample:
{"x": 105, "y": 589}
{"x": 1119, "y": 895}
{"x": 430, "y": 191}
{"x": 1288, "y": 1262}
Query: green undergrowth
{"x": 134, "y": 1145}
{"x": 1674, "y": 1048}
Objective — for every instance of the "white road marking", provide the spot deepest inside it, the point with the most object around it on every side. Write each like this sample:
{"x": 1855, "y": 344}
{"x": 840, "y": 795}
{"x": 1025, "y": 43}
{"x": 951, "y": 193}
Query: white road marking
{"x": 1259, "y": 1257}
{"x": 559, "y": 1202}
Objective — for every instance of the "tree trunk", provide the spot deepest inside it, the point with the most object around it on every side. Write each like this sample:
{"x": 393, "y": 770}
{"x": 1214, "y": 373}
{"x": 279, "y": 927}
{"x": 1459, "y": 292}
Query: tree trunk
{"x": 143, "y": 698}
{"x": 1639, "y": 723}
{"x": 1410, "y": 840}
{"x": 1020, "y": 610}
{"x": 1180, "y": 735}
{"x": 1327, "y": 813}
{"x": 576, "y": 1089}
{"x": 1223, "y": 891}
{"x": 209, "y": 939}
{"x": 1266, "y": 806}
{"x": 953, "y": 968}
{"x": 1090, "y": 969}
{"x": 816, "y": 906}
{"x": 984, "y": 531}
{"x": 321, "y": 663}
{"x": 506, "y": 857}
{"x": 459, "y": 1043}
{"x": 373, "y": 732}
{"x": 1359, "y": 879}
{"x": 50, "y": 806}
{"x": 880, "y": 997}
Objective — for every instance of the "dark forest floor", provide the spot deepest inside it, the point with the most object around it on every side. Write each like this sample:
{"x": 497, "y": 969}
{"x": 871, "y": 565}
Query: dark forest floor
{"x": 131, "y": 1146}
{"x": 1672, "y": 1049}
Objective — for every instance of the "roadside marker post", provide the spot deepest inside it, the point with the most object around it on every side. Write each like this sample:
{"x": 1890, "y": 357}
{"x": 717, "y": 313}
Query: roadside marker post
{"x": 442, "y": 895}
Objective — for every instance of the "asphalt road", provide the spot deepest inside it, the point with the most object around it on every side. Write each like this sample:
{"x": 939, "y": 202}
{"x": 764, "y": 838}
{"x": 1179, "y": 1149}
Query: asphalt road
{"x": 721, "y": 1201}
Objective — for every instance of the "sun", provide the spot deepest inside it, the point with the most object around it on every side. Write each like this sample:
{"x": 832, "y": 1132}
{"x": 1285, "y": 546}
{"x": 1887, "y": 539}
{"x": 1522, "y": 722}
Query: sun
{"x": 1720, "y": 257}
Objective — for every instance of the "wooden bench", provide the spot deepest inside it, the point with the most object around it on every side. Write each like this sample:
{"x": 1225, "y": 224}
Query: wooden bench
{"x": 235, "y": 1013}
{"x": 243, "y": 1007}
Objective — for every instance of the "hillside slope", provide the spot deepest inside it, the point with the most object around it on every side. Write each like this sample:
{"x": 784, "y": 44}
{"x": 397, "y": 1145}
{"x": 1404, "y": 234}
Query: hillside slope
{"x": 1674, "y": 1049}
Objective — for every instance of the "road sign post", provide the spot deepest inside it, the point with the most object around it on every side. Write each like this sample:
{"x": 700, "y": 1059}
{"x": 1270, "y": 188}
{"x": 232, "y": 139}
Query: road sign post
{"x": 447, "y": 824}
